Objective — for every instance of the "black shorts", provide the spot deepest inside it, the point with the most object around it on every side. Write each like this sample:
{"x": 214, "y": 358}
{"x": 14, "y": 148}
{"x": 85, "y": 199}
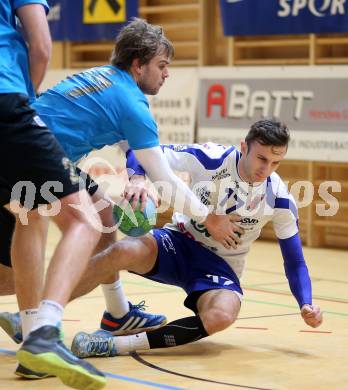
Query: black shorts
{"x": 88, "y": 183}
{"x": 8, "y": 220}
{"x": 34, "y": 168}
{"x": 7, "y": 225}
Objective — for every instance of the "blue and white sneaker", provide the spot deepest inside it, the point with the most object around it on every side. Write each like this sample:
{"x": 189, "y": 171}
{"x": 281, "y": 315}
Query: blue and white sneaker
{"x": 97, "y": 344}
{"x": 135, "y": 321}
{"x": 12, "y": 325}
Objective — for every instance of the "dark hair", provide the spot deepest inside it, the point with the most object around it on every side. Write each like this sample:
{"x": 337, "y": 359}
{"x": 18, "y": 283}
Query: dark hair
{"x": 268, "y": 132}
{"x": 141, "y": 40}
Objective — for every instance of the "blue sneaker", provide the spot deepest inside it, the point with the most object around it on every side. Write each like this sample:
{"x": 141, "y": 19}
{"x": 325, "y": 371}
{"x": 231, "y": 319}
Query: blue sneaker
{"x": 43, "y": 351}
{"x": 135, "y": 321}
{"x": 97, "y": 344}
{"x": 12, "y": 325}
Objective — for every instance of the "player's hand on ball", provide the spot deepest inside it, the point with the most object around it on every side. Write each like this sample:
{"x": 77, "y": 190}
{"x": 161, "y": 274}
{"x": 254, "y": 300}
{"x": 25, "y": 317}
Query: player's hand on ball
{"x": 136, "y": 190}
{"x": 224, "y": 230}
{"x": 312, "y": 315}
{"x": 134, "y": 222}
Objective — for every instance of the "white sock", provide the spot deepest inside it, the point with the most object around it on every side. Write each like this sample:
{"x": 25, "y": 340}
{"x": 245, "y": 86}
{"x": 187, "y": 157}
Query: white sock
{"x": 131, "y": 343}
{"x": 28, "y": 319}
{"x": 115, "y": 299}
{"x": 49, "y": 313}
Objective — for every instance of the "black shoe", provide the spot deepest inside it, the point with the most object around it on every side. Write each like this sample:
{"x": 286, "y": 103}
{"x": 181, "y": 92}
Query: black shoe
{"x": 29, "y": 374}
{"x": 43, "y": 351}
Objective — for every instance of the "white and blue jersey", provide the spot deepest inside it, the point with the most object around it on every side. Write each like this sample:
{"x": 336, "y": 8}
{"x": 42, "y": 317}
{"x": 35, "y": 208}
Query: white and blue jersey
{"x": 98, "y": 107}
{"x": 14, "y": 63}
{"x": 215, "y": 180}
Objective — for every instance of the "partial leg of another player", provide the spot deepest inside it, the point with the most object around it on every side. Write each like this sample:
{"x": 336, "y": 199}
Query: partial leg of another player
{"x": 121, "y": 316}
{"x": 119, "y": 309}
{"x": 6, "y": 281}
{"x": 131, "y": 254}
{"x": 7, "y": 223}
{"x": 216, "y": 308}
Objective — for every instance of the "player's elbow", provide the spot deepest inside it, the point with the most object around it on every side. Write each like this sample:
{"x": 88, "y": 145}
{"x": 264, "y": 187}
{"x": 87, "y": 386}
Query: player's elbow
{"x": 41, "y": 51}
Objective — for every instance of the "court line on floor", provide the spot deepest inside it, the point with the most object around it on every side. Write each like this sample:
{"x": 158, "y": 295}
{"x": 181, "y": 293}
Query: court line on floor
{"x": 244, "y": 299}
{"x": 315, "y": 331}
{"x": 251, "y": 328}
{"x": 7, "y": 352}
{"x": 165, "y": 289}
{"x": 291, "y": 306}
{"x": 314, "y": 278}
{"x": 268, "y": 316}
{"x": 116, "y": 376}
{"x": 139, "y": 359}
{"x": 142, "y": 382}
{"x": 285, "y": 293}
{"x": 285, "y": 283}
{"x": 278, "y": 315}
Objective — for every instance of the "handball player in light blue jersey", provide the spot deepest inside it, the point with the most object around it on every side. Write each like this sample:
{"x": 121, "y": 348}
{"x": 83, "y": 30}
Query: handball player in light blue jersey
{"x": 31, "y": 158}
{"x": 107, "y": 105}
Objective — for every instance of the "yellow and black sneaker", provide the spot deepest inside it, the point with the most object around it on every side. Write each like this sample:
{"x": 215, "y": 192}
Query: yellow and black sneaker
{"x": 29, "y": 374}
{"x": 44, "y": 352}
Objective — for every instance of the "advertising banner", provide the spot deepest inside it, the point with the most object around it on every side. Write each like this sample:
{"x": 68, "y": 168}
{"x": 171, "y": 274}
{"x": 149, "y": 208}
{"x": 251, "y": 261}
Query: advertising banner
{"x": 89, "y": 20}
{"x": 174, "y": 108}
{"x": 312, "y": 101}
{"x": 256, "y": 17}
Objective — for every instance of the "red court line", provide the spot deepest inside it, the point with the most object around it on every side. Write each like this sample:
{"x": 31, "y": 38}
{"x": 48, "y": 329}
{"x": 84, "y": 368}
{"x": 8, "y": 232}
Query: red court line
{"x": 314, "y": 331}
{"x": 289, "y": 294}
{"x": 72, "y": 320}
{"x": 249, "y": 327}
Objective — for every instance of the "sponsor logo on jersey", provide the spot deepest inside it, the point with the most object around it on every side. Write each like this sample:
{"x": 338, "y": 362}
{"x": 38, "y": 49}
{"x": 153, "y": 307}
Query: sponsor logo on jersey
{"x": 204, "y": 195}
{"x": 38, "y": 121}
{"x": 249, "y": 223}
{"x": 179, "y": 148}
{"x": 221, "y": 175}
{"x": 199, "y": 227}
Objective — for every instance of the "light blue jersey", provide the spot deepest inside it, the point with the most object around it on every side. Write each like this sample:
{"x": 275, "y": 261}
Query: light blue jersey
{"x": 14, "y": 64}
{"x": 98, "y": 107}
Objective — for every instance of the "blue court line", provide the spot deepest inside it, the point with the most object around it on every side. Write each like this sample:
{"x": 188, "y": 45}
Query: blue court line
{"x": 142, "y": 382}
{"x": 120, "y": 377}
{"x": 7, "y": 352}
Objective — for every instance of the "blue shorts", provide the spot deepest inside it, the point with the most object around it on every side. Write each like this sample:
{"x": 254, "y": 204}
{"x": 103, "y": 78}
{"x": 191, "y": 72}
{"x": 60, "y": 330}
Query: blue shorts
{"x": 185, "y": 263}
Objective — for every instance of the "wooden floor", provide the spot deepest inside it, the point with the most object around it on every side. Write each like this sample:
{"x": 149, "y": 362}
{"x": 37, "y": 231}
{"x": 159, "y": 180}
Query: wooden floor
{"x": 269, "y": 347}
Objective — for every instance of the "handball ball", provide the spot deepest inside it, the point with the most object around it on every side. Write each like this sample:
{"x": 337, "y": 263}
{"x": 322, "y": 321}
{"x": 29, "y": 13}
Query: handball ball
{"x": 135, "y": 222}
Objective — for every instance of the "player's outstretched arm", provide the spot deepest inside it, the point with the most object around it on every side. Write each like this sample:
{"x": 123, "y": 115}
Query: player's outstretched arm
{"x": 175, "y": 192}
{"x": 37, "y": 34}
{"x": 220, "y": 227}
{"x": 299, "y": 281}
